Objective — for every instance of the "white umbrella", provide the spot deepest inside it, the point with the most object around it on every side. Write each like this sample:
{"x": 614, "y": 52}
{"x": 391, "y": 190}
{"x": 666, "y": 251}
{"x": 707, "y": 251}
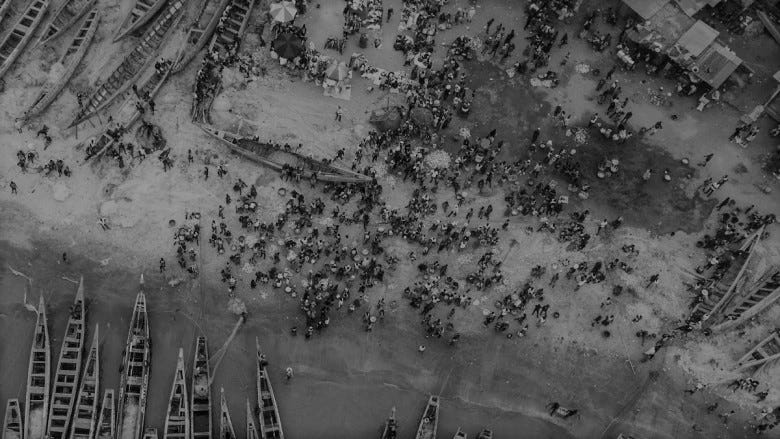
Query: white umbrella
{"x": 283, "y": 12}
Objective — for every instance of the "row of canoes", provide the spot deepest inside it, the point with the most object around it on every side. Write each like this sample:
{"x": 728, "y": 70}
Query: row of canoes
{"x": 429, "y": 424}
{"x": 68, "y": 406}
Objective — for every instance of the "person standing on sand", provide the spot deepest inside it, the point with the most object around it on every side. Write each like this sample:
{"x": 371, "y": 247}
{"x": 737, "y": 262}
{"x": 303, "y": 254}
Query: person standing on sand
{"x": 162, "y": 265}
{"x": 339, "y": 114}
{"x": 206, "y": 172}
{"x": 13, "y": 188}
{"x": 289, "y": 373}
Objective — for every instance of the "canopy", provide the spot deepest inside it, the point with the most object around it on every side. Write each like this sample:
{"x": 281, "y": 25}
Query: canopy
{"x": 337, "y": 71}
{"x": 283, "y": 12}
{"x": 288, "y": 45}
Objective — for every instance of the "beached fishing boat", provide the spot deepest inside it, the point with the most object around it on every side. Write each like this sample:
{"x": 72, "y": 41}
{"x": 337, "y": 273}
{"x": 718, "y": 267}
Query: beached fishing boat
{"x": 201, "y": 391}
{"x": 270, "y": 422}
{"x": 200, "y": 32}
{"x": 151, "y": 433}
{"x": 16, "y": 40}
{"x": 134, "y": 382}
{"x": 251, "y": 427}
{"x": 391, "y": 427}
{"x": 133, "y": 65}
{"x": 106, "y": 426}
{"x": 64, "y": 18}
{"x": 485, "y": 434}
{"x": 128, "y": 112}
{"x": 226, "y": 430}
{"x": 459, "y": 434}
{"x": 278, "y": 159}
{"x": 66, "y": 378}
{"x": 430, "y": 420}
{"x": 5, "y": 5}
{"x": 141, "y": 12}
{"x": 86, "y": 413}
{"x": 231, "y": 26}
{"x": 36, "y": 403}
{"x": 177, "y": 420}
{"x": 63, "y": 69}
{"x": 13, "y": 425}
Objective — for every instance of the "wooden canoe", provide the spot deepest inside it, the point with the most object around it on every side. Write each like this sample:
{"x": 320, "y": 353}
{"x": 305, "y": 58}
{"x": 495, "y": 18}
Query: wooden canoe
{"x": 231, "y": 26}
{"x": 177, "y": 420}
{"x": 134, "y": 382}
{"x": 226, "y": 430}
{"x": 200, "y": 33}
{"x": 13, "y": 426}
{"x": 106, "y": 426}
{"x": 270, "y": 422}
{"x": 141, "y": 12}
{"x": 430, "y": 420}
{"x": 251, "y": 428}
{"x": 151, "y": 433}
{"x": 128, "y": 113}
{"x": 201, "y": 391}
{"x": 460, "y": 435}
{"x": 5, "y": 5}
{"x": 277, "y": 159}
{"x": 16, "y": 40}
{"x": 64, "y": 18}
{"x": 133, "y": 66}
{"x": 86, "y": 413}
{"x": 391, "y": 427}
{"x": 67, "y": 63}
{"x": 485, "y": 434}
{"x": 66, "y": 377}
{"x": 36, "y": 404}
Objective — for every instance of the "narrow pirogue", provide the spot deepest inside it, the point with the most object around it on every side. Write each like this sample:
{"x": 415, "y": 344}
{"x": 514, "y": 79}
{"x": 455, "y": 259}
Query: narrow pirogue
{"x": 430, "y": 420}
{"x": 66, "y": 377}
{"x": 64, "y": 18}
{"x": 200, "y": 33}
{"x": 86, "y": 413}
{"x": 177, "y": 419}
{"x": 4, "y": 6}
{"x": 16, "y": 40}
{"x": 226, "y": 430}
{"x": 201, "y": 391}
{"x": 134, "y": 382}
{"x": 36, "y": 404}
{"x": 133, "y": 65}
{"x": 270, "y": 422}
{"x": 106, "y": 426}
{"x": 485, "y": 434}
{"x": 151, "y": 433}
{"x": 251, "y": 428}
{"x": 278, "y": 159}
{"x": 141, "y": 12}
{"x": 66, "y": 64}
{"x": 13, "y": 425}
{"x": 391, "y": 427}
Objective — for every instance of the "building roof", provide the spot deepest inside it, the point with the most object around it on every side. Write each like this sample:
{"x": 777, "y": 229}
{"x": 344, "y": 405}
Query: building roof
{"x": 697, "y": 38}
{"x": 715, "y": 64}
{"x": 646, "y": 8}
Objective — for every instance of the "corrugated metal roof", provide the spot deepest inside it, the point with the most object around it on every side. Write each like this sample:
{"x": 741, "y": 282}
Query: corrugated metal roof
{"x": 716, "y": 64}
{"x": 697, "y": 38}
{"x": 646, "y": 8}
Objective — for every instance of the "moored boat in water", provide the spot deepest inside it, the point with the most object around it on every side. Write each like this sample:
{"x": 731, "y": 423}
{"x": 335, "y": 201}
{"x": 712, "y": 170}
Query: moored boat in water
{"x": 134, "y": 381}
{"x": 86, "y": 412}
{"x": 391, "y": 427}
{"x": 430, "y": 420}
{"x": 13, "y": 426}
{"x": 16, "y": 40}
{"x": 151, "y": 433}
{"x": 106, "y": 426}
{"x": 177, "y": 419}
{"x": 201, "y": 391}
{"x": 270, "y": 422}
{"x": 66, "y": 377}
{"x": 64, "y": 18}
{"x": 460, "y": 434}
{"x": 485, "y": 434}
{"x": 141, "y": 12}
{"x": 251, "y": 428}
{"x": 36, "y": 403}
{"x": 226, "y": 430}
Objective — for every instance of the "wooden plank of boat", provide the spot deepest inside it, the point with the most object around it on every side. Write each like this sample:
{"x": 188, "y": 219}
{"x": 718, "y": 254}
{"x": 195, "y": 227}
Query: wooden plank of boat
{"x": 459, "y": 434}
{"x": 485, "y": 434}
{"x": 177, "y": 420}
{"x": 13, "y": 426}
{"x": 134, "y": 381}
{"x": 86, "y": 413}
{"x": 36, "y": 403}
{"x": 141, "y": 12}
{"x": 151, "y": 433}
{"x": 106, "y": 426}
{"x": 201, "y": 391}
{"x": 133, "y": 66}
{"x": 200, "y": 33}
{"x": 251, "y": 428}
{"x": 64, "y": 18}
{"x": 391, "y": 427}
{"x": 66, "y": 65}
{"x": 16, "y": 40}
{"x": 66, "y": 378}
{"x": 226, "y": 430}
{"x": 5, "y": 5}
{"x": 430, "y": 420}
{"x": 128, "y": 112}
{"x": 270, "y": 422}
{"x": 246, "y": 147}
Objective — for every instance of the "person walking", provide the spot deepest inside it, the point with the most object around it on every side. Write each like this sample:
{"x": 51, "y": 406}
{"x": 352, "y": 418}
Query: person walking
{"x": 13, "y": 188}
{"x": 339, "y": 114}
{"x": 162, "y": 265}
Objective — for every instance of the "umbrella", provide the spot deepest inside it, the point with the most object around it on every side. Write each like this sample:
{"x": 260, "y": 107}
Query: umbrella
{"x": 337, "y": 72}
{"x": 283, "y": 12}
{"x": 288, "y": 45}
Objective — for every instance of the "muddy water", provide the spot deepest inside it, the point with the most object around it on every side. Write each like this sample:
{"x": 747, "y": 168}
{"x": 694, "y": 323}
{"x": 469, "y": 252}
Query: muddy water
{"x": 345, "y": 384}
